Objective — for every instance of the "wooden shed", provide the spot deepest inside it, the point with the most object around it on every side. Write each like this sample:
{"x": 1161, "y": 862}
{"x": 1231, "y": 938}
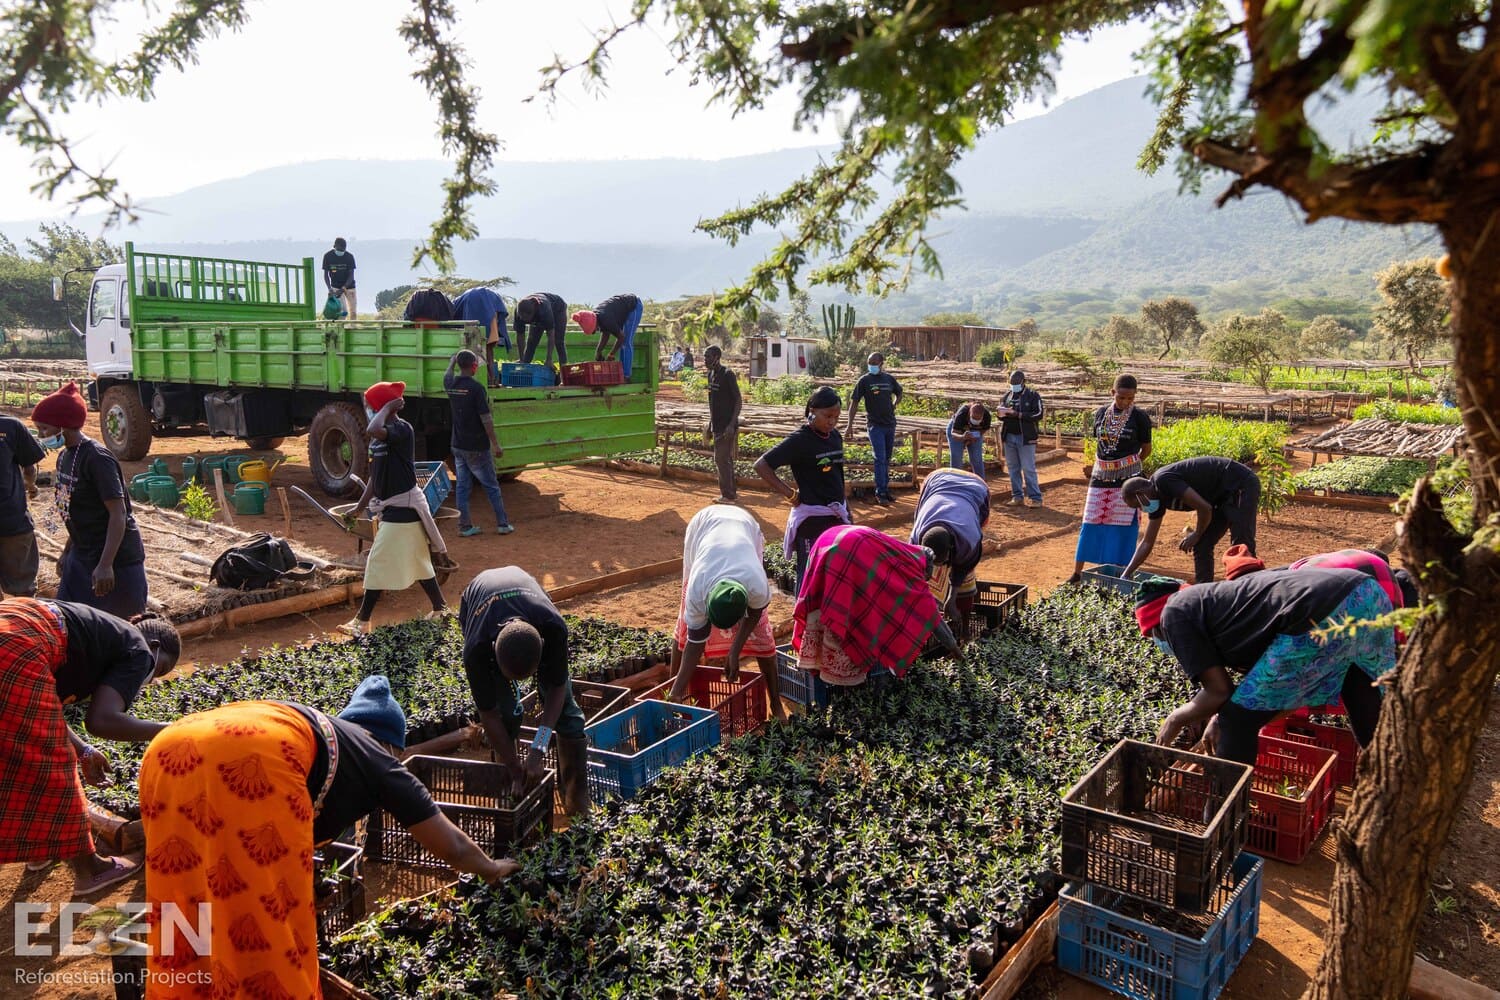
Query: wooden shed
{"x": 924, "y": 343}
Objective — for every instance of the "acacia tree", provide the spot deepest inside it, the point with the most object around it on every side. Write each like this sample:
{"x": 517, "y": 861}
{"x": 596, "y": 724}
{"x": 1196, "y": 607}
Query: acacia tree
{"x": 1325, "y": 337}
{"x": 1174, "y": 319}
{"x": 1255, "y": 343}
{"x": 1413, "y": 311}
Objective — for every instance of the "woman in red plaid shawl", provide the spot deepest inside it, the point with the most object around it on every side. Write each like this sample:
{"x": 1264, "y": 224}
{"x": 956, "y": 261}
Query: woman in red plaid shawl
{"x": 865, "y": 605}
{"x": 55, "y": 653}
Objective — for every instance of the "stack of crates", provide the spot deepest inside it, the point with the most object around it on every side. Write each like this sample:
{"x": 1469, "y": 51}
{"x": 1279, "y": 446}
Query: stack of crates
{"x": 1162, "y": 902}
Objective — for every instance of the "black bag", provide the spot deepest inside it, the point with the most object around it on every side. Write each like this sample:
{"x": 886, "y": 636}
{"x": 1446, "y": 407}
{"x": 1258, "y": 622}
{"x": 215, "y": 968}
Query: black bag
{"x": 255, "y": 563}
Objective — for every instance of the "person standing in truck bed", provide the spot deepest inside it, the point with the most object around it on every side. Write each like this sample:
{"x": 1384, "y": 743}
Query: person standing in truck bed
{"x": 546, "y": 314}
{"x": 617, "y": 316}
{"x": 338, "y": 274}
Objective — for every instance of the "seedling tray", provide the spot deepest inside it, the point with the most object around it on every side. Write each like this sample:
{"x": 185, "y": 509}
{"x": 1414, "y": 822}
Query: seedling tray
{"x": 1339, "y": 739}
{"x": 596, "y": 700}
{"x": 1156, "y": 823}
{"x": 593, "y": 373}
{"x": 1291, "y": 798}
{"x": 741, "y": 704}
{"x": 635, "y": 745}
{"x": 476, "y": 795}
{"x": 1149, "y": 953}
{"x": 339, "y": 885}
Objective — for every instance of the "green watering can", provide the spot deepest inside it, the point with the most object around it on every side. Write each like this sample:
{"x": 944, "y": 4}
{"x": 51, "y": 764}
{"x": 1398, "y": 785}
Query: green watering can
{"x": 162, "y": 491}
{"x": 250, "y": 498}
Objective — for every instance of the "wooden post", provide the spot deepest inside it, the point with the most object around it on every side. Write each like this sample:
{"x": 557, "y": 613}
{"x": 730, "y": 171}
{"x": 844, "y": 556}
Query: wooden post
{"x": 223, "y": 504}
{"x": 286, "y": 513}
{"x": 916, "y": 449}
{"x": 666, "y": 442}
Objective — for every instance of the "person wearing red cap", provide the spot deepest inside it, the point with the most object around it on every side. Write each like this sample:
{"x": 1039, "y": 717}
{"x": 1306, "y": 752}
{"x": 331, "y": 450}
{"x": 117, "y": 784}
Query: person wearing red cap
{"x": 103, "y": 564}
{"x": 406, "y": 530}
{"x": 1239, "y": 560}
{"x": 617, "y": 317}
{"x": 1278, "y": 632}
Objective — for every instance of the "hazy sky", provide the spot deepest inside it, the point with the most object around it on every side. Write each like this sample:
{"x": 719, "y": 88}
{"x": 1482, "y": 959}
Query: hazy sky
{"x": 332, "y": 79}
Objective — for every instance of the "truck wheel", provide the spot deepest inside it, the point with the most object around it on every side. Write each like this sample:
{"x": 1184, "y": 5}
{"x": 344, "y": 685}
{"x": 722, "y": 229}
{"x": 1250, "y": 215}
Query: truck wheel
{"x": 337, "y": 449}
{"x": 125, "y": 423}
{"x": 508, "y": 476}
{"x": 263, "y": 443}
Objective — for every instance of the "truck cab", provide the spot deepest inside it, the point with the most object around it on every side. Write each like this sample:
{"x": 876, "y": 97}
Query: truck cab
{"x": 106, "y": 323}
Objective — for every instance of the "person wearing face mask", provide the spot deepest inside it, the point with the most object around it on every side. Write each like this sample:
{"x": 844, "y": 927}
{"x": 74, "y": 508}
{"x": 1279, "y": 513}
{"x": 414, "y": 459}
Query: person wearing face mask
{"x": 1122, "y": 442}
{"x": 338, "y": 275}
{"x": 865, "y": 605}
{"x": 881, "y": 394}
{"x": 512, "y": 632}
{"x": 1021, "y": 425}
{"x": 53, "y": 654}
{"x": 1276, "y": 632}
{"x": 966, "y": 431}
{"x": 19, "y": 453}
{"x": 815, "y": 453}
{"x": 1222, "y": 493}
{"x": 103, "y": 564}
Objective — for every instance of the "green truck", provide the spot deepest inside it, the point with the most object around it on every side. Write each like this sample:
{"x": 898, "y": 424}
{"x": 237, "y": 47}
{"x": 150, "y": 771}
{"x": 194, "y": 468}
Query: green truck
{"x": 239, "y": 347}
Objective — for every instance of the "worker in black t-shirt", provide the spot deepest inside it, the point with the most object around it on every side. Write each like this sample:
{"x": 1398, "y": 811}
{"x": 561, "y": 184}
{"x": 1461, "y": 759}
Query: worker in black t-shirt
{"x": 512, "y": 632}
{"x": 473, "y": 442}
{"x": 966, "y": 431}
{"x": 404, "y": 539}
{"x": 338, "y": 275}
{"x": 881, "y": 394}
{"x": 547, "y": 316}
{"x": 19, "y": 556}
{"x": 724, "y": 403}
{"x": 1222, "y": 493}
{"x": 815, "y": 453}
{"x": 617, "y": 317}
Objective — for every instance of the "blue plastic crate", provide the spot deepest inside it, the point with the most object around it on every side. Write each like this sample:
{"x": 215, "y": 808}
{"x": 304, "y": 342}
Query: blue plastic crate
{"x": 635, "y": 745}
{"x": 1108, "y": 576}
{"x": 519, "y": 376}
{"x": 436, "y": 483}
{"x": 1136, "y": 958}
{"x": 797, "y": 685}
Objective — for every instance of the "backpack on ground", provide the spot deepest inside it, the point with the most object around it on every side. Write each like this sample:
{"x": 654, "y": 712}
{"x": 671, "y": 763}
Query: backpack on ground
{"x": 253, "y": 564}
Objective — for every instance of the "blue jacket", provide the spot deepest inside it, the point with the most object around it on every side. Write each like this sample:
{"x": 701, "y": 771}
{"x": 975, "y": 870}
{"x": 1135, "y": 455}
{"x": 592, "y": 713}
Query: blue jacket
{"x": 482, "y": 305}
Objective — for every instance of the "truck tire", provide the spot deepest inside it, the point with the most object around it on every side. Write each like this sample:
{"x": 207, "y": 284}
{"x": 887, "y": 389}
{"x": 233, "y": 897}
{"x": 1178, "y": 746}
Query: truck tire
{"x": 337, "y": 449}
{"x": 263, "y": 443}
{"x": 125, "y": 423}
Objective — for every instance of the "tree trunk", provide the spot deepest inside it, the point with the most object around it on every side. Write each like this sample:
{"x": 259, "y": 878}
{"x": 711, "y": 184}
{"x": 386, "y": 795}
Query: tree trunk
{"x": 1413, "y": 778}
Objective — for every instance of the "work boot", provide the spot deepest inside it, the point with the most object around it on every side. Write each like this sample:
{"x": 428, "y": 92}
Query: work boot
{"x": 573, "y": 774}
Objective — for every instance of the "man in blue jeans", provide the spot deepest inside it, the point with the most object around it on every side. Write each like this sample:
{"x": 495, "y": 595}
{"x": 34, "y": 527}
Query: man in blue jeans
{"x": 966, "y": 431}
{"x": 881, "y": 393}
{"x": 1021, "y": 423}
{"x": 475, "y": 446}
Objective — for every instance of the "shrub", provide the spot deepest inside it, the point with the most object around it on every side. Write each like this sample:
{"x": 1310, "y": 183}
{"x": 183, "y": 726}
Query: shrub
{"x": 996, "y": 354}
{"x": 1364, "y": 474}
{"x": 1409, "y": 413}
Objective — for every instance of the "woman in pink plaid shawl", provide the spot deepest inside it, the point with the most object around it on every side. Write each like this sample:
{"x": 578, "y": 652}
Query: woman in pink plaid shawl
{"x": 865, "y": 606}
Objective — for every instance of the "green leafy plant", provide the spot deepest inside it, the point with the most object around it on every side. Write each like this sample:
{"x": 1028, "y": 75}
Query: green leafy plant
{"x": 1364, "y": 474}
{"x": 198, "y": 503}
{"x": 1409, "y": 413}
{"x": 1276, "y": 486}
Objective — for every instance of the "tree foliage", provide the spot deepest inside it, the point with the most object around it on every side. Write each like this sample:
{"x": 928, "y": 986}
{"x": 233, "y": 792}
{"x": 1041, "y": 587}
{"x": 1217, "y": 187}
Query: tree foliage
{"x": 1117, "y": 336}
{"x": 954, "y": 319}
{"x": 26, "y": 275}
{"x": 1174, "y": 320}
{"x": 1325, "y": 337}
{"x": 1255, "y": 344}
{"x": 1413, "y": 310}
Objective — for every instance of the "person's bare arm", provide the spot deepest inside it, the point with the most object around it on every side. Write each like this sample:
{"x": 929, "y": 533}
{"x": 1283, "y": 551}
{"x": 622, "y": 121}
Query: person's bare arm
{"x": 441, "y": 837}
{"x": 1205, "y": 512}
{"x": 108, "y": 720}
{"x": 737, "y": 645}
{"x": 104, "y": 572}
{"x": 504, "y": 746}
{"x": 28, "y": 476}
{"x": 692, "y": 654}
{"x": 768, "y": 474}
{"x": 1143, "y": 550}
{"x": 1216, "y": 689}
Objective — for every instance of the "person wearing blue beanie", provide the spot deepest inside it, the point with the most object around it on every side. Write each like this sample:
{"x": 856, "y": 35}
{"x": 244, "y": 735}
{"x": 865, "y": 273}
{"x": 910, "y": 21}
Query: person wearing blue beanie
{"x": 373, "y": 708}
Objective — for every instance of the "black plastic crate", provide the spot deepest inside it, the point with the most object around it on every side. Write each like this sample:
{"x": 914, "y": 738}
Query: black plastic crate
{"x": 339, "y": 888}
{"x": 1159, "y": 824}
{"x": 549, "y": 761}
{"x": 597, "y": 701}
{"x": 998, "y": 603}
{"x": 476, "y": 796}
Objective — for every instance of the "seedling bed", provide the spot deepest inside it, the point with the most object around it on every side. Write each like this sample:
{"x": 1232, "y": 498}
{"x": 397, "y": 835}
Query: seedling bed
{"x": 741, "y": 704}
{"x": 1151, "y": 953}
{"x": 477, "y": 797}
{"x": 1156, "y": 823}
{"x": 1291, "y": 798}
{"x": 1339, "y": 739}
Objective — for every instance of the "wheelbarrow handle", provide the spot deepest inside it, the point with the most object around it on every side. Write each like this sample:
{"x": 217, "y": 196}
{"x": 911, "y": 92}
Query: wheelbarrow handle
{"x": 343, "y": 525}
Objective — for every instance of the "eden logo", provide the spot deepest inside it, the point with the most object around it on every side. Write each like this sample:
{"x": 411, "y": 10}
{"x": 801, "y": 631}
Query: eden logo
{"x": 118, "y": 930}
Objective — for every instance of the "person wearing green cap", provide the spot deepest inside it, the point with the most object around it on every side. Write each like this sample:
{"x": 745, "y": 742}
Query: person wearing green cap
{"x": 725, "y": 595}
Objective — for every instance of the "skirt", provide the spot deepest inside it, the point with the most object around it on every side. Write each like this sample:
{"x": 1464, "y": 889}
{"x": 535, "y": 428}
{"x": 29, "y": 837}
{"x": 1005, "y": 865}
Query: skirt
{"x": 1300, "y": 670}
{"x": 1110, "y": 526}
{"x": 761, "y": 642}
{"x": 76, "y": 584}
{"x": 399, "y": 558}
{"x": 228, "y": 822}
{"x": 42, "y": 812}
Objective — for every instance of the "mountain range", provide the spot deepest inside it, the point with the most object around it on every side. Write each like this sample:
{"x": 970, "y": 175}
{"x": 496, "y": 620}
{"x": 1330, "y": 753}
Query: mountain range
{"x": 1054, "y": 204}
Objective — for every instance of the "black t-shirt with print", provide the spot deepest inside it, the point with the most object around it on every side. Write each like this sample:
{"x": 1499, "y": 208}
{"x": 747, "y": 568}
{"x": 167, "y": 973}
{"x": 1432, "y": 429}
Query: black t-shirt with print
{"x": 723, "y": 398}
{"x": 87, "y": 476}
{"x": 340, "y": 268}
{"x": 1214, "y": 479}
{"x": 493, "y": 598}
{"x": 881, "y": 392}
{"x": 817, "y": 464}
{"x": 1135, "y": 433}
{"x": 961, "y": 424}
{"x": 393, "y": 468}
{"x": 471, "y": 403}
{"x": 18, "y": 449}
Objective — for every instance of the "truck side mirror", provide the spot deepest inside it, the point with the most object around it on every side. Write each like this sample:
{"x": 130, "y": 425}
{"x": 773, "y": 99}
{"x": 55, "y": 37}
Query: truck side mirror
{"x": 57, "y": 289}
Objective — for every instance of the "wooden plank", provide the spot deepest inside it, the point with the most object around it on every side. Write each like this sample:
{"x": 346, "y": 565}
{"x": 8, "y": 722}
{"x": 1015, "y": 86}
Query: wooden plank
{"x": 252, "y": 613}
{"x": 611, "y": 580}
{"x": 1428, "y": 982}
{"x": 223, "y": 504}
{"x": 1036, "y": 946}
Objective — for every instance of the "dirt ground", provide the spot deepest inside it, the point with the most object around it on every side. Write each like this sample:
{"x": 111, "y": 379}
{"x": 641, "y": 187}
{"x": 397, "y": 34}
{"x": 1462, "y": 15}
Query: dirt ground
{"x": 579, "y": 523}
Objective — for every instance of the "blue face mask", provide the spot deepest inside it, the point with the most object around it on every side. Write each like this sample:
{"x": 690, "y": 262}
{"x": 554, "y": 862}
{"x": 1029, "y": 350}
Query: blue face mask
{"x": 338, "y": 253}
{"x": 369, "y": 414}
{"x": 53, "y": 443}
{"x": 1151, "y": 506}
{"x": 874, "y": 369}
{"x": 1163, "y": 645}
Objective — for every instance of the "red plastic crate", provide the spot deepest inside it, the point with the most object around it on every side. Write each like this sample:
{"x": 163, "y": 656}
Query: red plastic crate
{"x": 593, "y": 373}
{"x": 1339, "y": 739}
{"x": 741, "y": 704}
{"x": 1284, "y": 826}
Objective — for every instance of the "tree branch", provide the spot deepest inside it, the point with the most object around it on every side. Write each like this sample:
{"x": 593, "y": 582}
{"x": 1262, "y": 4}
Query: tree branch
{"x": 29, "y": 55}
{"x": 832, "y": 43}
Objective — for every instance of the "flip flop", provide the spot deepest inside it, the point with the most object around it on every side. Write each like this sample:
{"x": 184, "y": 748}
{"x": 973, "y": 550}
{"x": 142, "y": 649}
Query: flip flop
{"x": 118, "y": 871}
{"x": 39, "y": 866}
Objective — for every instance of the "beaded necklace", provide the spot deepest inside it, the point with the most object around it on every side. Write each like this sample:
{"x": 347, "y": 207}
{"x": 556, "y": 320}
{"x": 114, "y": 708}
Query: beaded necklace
{"x": 1113, "y": 425}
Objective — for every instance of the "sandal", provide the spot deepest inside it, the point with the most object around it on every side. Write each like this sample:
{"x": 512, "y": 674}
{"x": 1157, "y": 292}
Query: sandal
{"x": 39, "y": 866}
{"x": 118, "y": 871}
{"x": 354, "y": 627}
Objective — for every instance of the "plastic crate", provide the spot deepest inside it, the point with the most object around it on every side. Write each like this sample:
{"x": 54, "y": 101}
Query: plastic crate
{"x": 1156, "y": 823}
{"x": 1339, "y": 739}
{"x": 595, "y": 700}
{"x": 797, "y": 685}
{"x": 435, "y": 482}
{"x": 741, "y": 704}
{"x": 1134, "y": 955}
{"x": 998, "y": 603}
{"x": 518, "y": 376}
{"x": 476, "y": 796}
{"x": 596, "y": 785}
{"x": 339, "y": 887}
{"x": 635, "y": 745}
{"x": 593, "y": 373}
{"x": 1285, "y": 827}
